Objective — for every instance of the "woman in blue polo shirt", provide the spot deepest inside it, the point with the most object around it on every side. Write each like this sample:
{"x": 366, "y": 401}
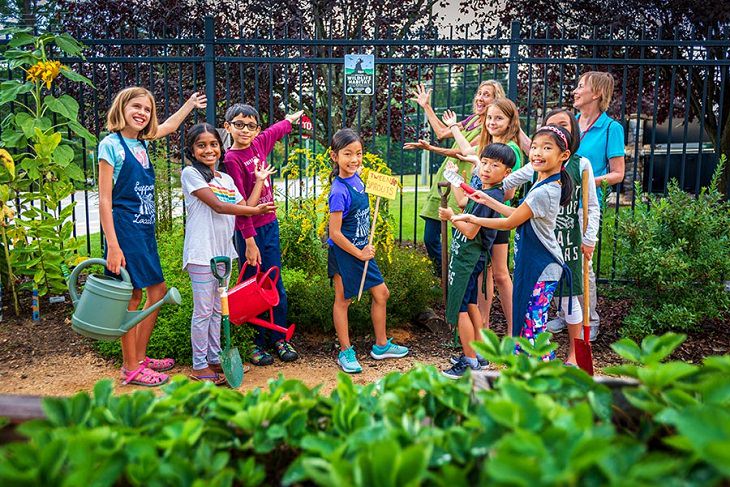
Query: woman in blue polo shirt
{"x": 602, "y": 143}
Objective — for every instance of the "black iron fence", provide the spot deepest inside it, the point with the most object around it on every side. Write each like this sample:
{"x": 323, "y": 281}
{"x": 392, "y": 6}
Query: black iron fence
{"x": 670, "y": 95}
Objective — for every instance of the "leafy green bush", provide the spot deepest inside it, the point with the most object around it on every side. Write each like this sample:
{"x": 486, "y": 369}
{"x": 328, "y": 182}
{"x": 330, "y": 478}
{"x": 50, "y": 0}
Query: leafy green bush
{"x": 676, "y": 250}
{"x": 171, "y": 336}
{"x": 301, "y": 247}
{"x": 540, "y": 424}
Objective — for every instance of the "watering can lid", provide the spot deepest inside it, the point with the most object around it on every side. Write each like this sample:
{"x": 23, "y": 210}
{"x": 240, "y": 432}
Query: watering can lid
{"x": 111, "y": 281}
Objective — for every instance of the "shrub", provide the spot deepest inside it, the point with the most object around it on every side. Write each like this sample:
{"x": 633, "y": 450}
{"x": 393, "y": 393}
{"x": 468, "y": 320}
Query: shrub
{"x": 676, "y": 250}
{"x": 301, "y": 247}
{"x": 539, "y": 424}
{"x": 171, "y": 336}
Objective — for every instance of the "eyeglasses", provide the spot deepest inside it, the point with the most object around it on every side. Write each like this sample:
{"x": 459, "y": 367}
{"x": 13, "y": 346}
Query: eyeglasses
{"x": 241, "y": 125}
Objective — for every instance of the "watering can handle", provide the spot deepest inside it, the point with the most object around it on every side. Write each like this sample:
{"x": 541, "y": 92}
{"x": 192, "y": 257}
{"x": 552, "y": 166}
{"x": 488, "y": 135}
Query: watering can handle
{"x": 273, "y": 279}
{"x": 226, "y": 261}
{"x": 74, "y": 277}
{"x": 243, "y": 272}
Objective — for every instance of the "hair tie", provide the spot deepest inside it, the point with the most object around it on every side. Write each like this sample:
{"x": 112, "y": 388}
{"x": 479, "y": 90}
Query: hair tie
{"x": 557, "y": 131}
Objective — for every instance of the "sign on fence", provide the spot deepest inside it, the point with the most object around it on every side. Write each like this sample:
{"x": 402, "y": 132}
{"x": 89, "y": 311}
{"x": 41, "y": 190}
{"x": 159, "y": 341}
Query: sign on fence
{"x": 307, "y": 126}
{"x": 359, "y": 74}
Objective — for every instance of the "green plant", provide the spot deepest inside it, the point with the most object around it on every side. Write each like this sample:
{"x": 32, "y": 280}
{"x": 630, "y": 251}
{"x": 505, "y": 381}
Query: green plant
{"x": 301, "y": 247}
{"x": 171, "y": 335}
{"x": 47, "y": 161}
{"x": 411, "y": 283}
{"x": 539, "y": 423}
{"x": 676, "y": 250}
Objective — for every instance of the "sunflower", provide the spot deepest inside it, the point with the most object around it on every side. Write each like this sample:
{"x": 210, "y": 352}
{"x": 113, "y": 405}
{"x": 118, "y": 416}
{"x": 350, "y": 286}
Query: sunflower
{"x": 45, "y": 71}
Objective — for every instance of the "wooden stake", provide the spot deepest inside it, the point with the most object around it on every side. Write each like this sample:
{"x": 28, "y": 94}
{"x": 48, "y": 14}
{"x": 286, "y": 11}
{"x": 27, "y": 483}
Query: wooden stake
{"x": 370, "y": 242}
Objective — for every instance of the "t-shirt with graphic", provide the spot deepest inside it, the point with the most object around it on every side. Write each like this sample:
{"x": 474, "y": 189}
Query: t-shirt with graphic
{"x": 544, "y": 202}
{"x": 111, "y": 151}
{"x": 340, "y": 200}
{"x": 207, "y": 234}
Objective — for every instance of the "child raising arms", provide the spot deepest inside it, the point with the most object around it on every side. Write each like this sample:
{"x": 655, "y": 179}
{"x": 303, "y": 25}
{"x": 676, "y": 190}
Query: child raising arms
{"x": 539, "y": 264}
{"x": 127, "y": 214}
{"x": 212, "y": 201}
{"x": 470, "y": 247}
{"x": 349, "y": 231}
{"x": 257, "y": 236}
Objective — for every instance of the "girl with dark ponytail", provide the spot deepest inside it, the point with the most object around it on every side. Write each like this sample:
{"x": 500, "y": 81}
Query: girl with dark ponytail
{"x": 539, "y": 263}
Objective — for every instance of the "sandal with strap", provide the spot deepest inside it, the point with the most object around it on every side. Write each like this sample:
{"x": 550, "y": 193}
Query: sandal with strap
{"x": 158, "y": 364}
{"x": 215, "y": 378}
{"x": 143, "y": 376}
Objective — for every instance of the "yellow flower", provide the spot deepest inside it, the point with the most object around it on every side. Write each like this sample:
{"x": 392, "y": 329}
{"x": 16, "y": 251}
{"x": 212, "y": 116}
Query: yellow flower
{"x": 44, "y": 71}
{"x": 8, "y": 162}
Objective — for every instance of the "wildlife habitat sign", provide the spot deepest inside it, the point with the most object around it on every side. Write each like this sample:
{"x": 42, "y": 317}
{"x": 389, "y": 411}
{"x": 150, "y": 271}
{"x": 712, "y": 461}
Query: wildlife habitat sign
{"x": 359, "y": 74}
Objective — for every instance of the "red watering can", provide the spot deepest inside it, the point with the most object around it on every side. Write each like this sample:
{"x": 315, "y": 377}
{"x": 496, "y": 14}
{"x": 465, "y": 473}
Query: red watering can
{"x": 254, "y": 296}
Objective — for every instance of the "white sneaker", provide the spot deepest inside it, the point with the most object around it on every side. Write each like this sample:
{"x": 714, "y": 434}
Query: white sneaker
{"x": 555, "y": 325}
{"x": 594, "y": 333}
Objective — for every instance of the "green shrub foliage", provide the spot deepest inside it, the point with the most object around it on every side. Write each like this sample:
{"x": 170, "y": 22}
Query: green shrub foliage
{"x": 676, "y": 250}
{"x": 540, "y": 424}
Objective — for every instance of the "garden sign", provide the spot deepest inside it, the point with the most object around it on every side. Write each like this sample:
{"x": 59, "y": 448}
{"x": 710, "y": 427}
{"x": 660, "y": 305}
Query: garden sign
{"x": 359, "y": 74}
{"x": 382, "y": 186}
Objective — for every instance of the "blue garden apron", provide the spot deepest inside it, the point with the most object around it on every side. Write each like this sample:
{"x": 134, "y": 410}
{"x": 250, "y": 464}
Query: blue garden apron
{"x": 133, "y": 211}
{"x": 531, "y": 259}
{"x": 356, "y": 229}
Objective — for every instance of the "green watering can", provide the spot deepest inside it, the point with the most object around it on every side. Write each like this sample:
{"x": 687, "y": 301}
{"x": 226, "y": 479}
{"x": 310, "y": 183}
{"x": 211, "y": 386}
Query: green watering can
{"x": 101, "y": 311}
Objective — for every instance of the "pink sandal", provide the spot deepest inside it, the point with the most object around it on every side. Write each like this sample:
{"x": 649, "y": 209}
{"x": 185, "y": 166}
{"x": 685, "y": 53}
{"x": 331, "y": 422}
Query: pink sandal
{"x": 143, "y": 376}
{"x": 158, "y": 364}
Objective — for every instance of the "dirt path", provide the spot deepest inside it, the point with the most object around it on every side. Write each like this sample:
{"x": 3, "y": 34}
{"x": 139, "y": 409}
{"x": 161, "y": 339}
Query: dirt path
{"x": 48, "y": 358}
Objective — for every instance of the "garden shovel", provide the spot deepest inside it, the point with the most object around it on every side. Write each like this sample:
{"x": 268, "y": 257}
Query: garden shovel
{"x": 230, "y": 358}
{"x": 583, "y": 353}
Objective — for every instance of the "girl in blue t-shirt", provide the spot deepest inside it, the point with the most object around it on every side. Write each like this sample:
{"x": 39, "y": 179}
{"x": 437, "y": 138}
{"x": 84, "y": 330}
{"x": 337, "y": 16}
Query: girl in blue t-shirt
{"x": 127, "y": 214}
{"x": 349, "y": 231}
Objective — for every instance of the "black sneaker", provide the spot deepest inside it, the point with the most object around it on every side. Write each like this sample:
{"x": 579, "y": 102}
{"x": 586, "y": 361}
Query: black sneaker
{"x": 458, "y": 370}
{"x": 482, "y": 361}
{"x": 285, "y": 351}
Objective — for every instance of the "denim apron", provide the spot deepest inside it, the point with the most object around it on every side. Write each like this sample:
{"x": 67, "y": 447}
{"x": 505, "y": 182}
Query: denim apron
{"x": 133, "y": 211}
{"x": 531, "y": 259}
{"x": 356, "y": 229}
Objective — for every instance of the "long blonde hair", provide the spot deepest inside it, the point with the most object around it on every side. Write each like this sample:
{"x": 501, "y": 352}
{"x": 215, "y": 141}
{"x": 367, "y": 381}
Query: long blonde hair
{"x": 506, "y": 106}
{"x": 115, "y": 116}
{"x": 495, "y": 85}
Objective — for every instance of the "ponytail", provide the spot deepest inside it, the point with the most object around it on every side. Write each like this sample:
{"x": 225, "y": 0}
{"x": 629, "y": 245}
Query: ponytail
{"x": 335, "y": 171}
{"x": 566, "y": 186}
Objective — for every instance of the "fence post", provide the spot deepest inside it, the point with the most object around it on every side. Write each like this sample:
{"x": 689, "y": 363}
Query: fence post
{"x": 514, "y": 56}
{"x": 209, "y": 62}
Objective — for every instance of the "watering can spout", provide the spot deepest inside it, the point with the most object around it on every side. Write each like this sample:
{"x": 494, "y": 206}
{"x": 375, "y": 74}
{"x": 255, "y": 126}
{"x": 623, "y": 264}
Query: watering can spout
{"x": 134, "y": 317}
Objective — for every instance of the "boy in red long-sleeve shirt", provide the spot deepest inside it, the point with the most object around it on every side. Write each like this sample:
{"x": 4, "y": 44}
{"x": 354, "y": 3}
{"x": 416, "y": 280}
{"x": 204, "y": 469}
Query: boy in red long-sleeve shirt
{"x": 257, "y": 237}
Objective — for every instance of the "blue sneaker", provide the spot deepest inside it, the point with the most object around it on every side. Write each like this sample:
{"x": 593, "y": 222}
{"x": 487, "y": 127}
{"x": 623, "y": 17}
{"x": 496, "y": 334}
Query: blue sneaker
{"x": 348, "y": 361}
{"x": 389, "y": 350}
{"x": 458, "y": 370}
{"x": 483, "y": 363}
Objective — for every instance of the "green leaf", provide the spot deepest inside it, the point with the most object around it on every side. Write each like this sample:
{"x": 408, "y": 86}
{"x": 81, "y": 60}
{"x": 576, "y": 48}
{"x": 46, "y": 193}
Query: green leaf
{"x": 21, "y": 39}
{"x": 82, "y": 132}
{"x": 627, "y": 349}
{"x": 63, "y": 155}
{"x": 9, "y": 90}
{"x": 26, "y": 123}
{"x": 69, "y": 45}
{"x": 65, "y": 106}
{"x": 74, "y": 76}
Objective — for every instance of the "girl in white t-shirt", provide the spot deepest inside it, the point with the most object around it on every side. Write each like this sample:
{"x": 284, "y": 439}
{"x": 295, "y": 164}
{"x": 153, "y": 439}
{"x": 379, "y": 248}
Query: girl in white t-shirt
{"x": 212, "y": 203}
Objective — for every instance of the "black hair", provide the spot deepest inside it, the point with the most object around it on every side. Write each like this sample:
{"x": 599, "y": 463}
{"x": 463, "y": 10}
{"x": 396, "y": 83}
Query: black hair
{"x": 566, "y": 182}
{"x": 191, "y": 137}
{"x": 500, "y": 152}
{"x": 574, "y": 128}
{"x": 340, "y": 140}
{"x": 242, "y": 109}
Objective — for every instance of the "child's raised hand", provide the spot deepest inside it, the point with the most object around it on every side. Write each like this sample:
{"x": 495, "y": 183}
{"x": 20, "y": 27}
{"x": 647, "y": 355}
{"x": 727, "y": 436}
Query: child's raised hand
{"x": 198, "y": 100}
{"x": 421, "y": 144}
{"x": 421, "y": 95}
{"x": 367, "y": 253}
{"x": 446, "y": 214}
{"x": 472, "y": 158}
{"x": 295, "y": 117}
{"x": 480, "y": 197}
{"x": 264, "y": 208}
{"x": 449, "y": 118}
{"x": 263, "y": 171}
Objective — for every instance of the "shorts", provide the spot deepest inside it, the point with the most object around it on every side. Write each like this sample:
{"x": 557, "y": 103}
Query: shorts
{"x": 502, "y": 237}
{"x": 471, "y": 293}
